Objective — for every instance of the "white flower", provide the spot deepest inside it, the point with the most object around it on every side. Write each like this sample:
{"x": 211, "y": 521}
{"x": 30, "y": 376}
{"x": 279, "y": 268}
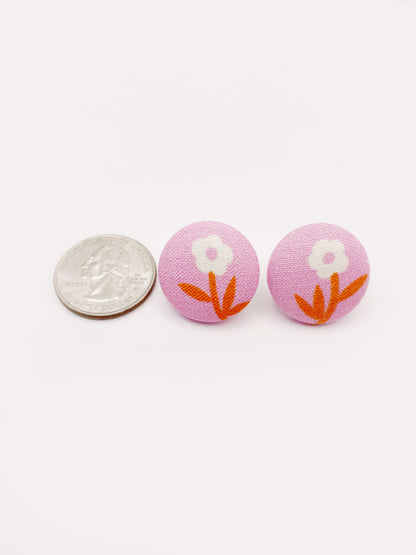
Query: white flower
{"x": 327, "y": 258}
{"x": 212, "y": 255}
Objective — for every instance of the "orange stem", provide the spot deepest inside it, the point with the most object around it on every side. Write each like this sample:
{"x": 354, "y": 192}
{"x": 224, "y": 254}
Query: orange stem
{"x": 214, "y": 296}
{"x": 333, "y": 301}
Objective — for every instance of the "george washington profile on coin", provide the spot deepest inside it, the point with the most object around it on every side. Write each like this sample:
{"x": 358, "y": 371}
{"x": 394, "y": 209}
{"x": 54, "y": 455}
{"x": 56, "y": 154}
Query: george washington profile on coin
{"x": 104, "y": 276}
{"x": 106, "y": 271}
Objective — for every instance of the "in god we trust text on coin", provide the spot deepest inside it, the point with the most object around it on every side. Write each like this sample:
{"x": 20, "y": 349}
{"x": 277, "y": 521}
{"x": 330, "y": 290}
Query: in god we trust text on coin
{"x": 105, "y": 276}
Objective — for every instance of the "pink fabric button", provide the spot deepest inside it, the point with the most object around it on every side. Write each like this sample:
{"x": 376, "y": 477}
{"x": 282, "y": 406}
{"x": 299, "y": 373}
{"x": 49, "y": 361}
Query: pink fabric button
{"x": 209, "y": 271}
{"x": 318, "y": 273}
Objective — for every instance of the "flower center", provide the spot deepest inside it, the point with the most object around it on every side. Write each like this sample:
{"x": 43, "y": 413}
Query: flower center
{"x": 211, "y": 253}
{"x": 329, "y": 257}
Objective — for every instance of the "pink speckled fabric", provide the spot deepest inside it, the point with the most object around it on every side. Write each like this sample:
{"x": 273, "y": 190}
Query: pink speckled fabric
{"x": 209, "y": 271}
{"x": 318, "y": 273}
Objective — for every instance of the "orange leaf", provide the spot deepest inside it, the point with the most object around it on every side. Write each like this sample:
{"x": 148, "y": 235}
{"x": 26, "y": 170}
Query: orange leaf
{"x": 306, "y": 307}
{"x": 195, "y": 292}
{"x": 318, "y": 303}
{"x": 237, "y": 308}
{"x": 229, "y": 295}
{"x": 352, "y": 288}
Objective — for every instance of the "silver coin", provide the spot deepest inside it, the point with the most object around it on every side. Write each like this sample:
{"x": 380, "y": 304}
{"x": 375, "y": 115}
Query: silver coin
{"x": 105, "y": 276}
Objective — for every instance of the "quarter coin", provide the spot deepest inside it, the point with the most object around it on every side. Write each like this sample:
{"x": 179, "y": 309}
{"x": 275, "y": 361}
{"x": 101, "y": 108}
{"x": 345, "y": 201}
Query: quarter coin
{"x": 105, "y": 276}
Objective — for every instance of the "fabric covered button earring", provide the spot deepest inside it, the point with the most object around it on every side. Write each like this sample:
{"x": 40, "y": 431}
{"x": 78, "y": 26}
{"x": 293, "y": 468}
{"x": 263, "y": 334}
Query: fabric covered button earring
{"x": 318, "y": 273}
{"x": 209, "y": 271}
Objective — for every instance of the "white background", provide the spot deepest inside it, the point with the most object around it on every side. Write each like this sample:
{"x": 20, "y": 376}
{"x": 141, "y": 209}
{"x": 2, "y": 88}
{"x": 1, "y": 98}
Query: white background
{"x": 150, "y": 434}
